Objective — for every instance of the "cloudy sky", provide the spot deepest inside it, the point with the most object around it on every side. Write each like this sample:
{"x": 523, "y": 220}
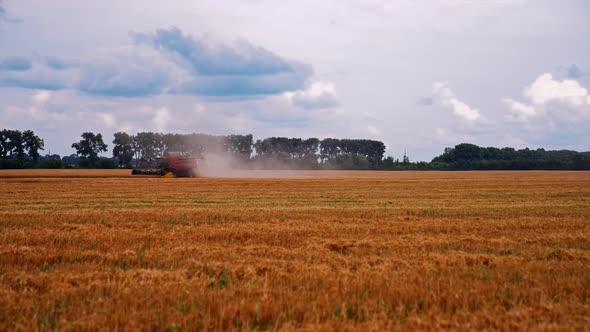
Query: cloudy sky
{"x": 418, "y": 75}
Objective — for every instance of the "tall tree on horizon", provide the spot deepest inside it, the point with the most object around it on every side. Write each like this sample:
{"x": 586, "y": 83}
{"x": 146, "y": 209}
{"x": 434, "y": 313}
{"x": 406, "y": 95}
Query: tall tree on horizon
{"x": 12, "y": 144}
{"x": 90, "y": 146}
{"x": 123, "y": 148}
{"x": 33, "y": 144}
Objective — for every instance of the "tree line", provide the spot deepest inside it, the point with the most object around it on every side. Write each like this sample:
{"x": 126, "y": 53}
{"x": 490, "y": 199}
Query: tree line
{"x": 20, "y": 149}
{"x": 273, "y": 152}
{"x": 17, "y": 146}
{"x": 467, "y": 156}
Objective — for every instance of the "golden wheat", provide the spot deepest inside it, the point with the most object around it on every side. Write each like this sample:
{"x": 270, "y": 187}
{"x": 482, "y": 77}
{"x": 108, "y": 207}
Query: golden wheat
{"x": 100, "y": 250}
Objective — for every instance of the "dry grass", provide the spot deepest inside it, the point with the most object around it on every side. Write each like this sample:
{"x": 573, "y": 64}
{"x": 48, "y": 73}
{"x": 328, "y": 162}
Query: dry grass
{"x": 329, "y": 250}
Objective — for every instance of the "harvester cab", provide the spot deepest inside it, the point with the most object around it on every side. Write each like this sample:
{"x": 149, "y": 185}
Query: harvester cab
{"x": 173, "y": 164}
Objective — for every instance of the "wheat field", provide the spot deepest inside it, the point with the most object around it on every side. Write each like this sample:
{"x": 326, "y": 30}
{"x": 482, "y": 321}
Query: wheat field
{"x": 101, "y": 250}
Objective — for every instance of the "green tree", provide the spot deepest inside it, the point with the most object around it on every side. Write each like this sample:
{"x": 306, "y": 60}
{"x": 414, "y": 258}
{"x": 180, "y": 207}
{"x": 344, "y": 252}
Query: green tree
{"x": 123, "y": 148}
{"x": 13, "y": 144}
{"x": 175, "y": 142}
{"x": 89, "y": 147}
{"x": 329, "y": 148}
{"x": 3, "y": 144}
{"x": 466, "y": 151}
{"x": 147, "y": 146}
{"x": 405, "y": 159}
{"x": 240, "y": 146}
{"x": 33, "y": 144}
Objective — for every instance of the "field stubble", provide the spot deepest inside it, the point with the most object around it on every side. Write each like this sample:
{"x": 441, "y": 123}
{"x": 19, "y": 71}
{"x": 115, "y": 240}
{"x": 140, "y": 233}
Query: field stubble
{"x": 315, "y": 250}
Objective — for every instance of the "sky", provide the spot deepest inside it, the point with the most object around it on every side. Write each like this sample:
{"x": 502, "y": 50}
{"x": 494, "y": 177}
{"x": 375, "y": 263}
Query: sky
{"x": 418, "y": 75}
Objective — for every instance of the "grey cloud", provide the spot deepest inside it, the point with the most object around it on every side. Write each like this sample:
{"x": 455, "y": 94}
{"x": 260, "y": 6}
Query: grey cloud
{"x": 29, "y": 84}
{"x": 574, "y": 72}
{"x": 37, "y": 76}
{"x": 109, "y": 75}
{"x": 244, "y": 85}
{"x": 220, "y": 70}
{"x": 59, "y": 63}
{"x": 315, "y": 103}
{"x": 171, "y": 62}
{"x": 16, "y": 63}
{"x": 131, "y": 72}
{"x": 208, "y": 58}
{"x": 317, "y": 95}
{"x": 116, "y": 73}
{"x": 425, "y": 101}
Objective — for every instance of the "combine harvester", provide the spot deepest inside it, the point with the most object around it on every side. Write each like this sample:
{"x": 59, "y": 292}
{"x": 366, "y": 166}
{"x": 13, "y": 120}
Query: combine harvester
{"x": 173, "y": 165}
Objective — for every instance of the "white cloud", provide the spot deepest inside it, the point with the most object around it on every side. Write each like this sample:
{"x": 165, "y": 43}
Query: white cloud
{"x": 566, "y": 98}
{"x": 161, "y": 119}
{"x": 200, "y": 109}
{"x": 41, "y": 97}
{"x": 445, "y": 96}
{"x": 317, "y": 95}
{"x": 520, "y": 111}
{"x": 36, "y": 113}
{"x": 373, "y": 130}
{"x": 545, "y": 89}
{"x": 107, "y": 119}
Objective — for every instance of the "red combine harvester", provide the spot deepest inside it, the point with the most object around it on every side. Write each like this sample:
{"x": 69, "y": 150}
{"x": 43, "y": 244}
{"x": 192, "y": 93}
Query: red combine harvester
{"x": 173, "y": 164}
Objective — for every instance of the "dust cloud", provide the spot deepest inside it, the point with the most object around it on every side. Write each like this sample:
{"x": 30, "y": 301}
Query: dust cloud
{"x": 218, "y": 165}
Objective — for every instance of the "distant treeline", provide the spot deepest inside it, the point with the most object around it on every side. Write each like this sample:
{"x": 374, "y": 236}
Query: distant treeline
{"x": 21, "y": 150}
{"x": 469, "y": 156}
